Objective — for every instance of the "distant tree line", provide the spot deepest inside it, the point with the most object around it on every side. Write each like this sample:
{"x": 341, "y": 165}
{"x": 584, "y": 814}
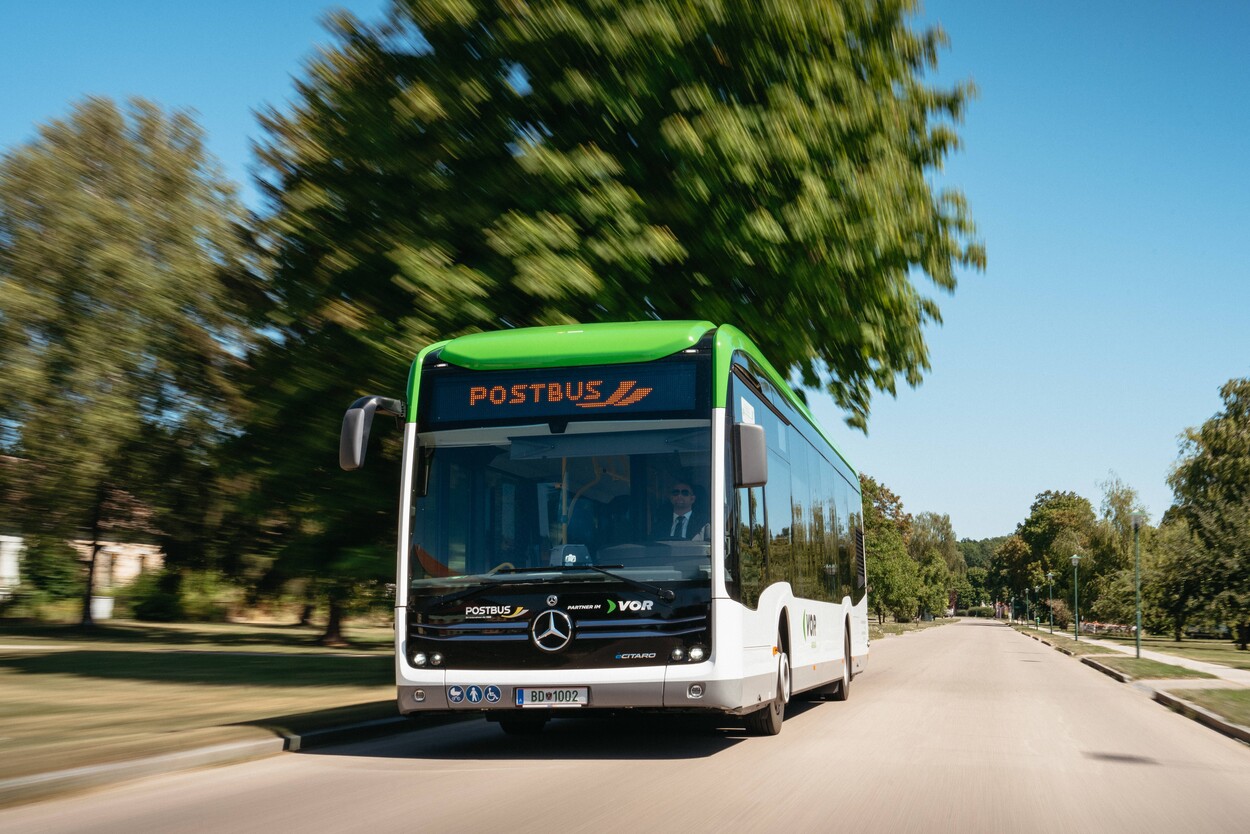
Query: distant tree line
{"x": 1195, "y": 563}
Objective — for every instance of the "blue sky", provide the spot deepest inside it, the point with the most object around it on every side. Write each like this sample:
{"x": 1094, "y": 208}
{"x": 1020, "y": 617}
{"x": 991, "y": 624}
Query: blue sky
{"x": 1106, "y": 161}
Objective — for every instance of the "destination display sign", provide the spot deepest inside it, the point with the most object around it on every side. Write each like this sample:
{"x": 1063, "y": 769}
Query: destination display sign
{"x": 603, "y": 391}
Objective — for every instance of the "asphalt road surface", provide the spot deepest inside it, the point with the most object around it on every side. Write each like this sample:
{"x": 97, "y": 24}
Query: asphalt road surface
{"x": 969, "y": 727}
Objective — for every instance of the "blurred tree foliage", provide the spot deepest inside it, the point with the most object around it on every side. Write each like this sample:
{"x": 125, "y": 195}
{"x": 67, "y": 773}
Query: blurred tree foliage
{"x": 123, "y": 274}
{"x": 462, "y": 165}
{"x": 1212, "y": 486}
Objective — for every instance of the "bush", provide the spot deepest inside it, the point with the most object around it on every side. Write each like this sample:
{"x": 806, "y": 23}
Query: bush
{"x": 52, "y": 567}
{"x": 171, "y": 596}
{"x": 153, "y": 597}
{"x": 980, "y": 611}
{"x": 29, "y": 603}
{"x": 1062, "y": 613}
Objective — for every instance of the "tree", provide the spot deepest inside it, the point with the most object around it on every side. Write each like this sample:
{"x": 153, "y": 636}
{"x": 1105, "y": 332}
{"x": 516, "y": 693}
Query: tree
{"x": 459, "y": 165}
{"x": 894, "y": 574}
{"x": 465, "y": 166}
{"x": 932, "y": 533}
{"x": 122, "y": 257}
{"x": 978, "y": 587}
{"x": 1012, "y": 569}
{"x": 1211, "y": 482}
{"x": 1173, "y": 568}
{"x": 978, "y": 553}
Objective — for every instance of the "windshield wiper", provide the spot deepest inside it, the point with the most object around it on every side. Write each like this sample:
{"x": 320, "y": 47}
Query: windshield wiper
{"x": 468, "y": 592}
{"x": 664, "y": 594}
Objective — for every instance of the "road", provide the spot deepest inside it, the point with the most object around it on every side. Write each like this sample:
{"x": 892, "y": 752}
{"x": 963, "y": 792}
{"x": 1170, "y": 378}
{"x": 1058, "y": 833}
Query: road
{"x": 969, "y": 727}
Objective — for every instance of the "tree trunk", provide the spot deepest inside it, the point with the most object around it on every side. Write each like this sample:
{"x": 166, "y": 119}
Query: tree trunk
{"x": 1243, "y": 636}
{"x": 333, "y": 635}
{"x": 97, "y": 514}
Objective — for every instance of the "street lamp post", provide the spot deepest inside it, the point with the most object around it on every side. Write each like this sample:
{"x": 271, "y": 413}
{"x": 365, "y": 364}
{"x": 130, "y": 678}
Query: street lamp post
{"x": 1076, "y": 600}
{"x": 1050, "y": 603}
{"x": 1026, "y": 605}
{"x": 1037, "y": 597}
{"x": 1138, "y": 520}
{"x": 1013, "y": 608}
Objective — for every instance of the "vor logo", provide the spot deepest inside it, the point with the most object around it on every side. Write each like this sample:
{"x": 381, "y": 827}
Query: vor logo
{"x": 625, "y": 394}
{"x": 630, "y": 605}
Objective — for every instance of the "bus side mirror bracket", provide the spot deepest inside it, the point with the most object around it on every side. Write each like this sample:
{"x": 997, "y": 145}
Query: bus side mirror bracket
{"x": 354, "y": 438}
{"x": 750, "y": 456}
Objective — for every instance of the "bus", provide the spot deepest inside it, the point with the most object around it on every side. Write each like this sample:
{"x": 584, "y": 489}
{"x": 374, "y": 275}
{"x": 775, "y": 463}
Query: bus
{"x": 618, "y": 516}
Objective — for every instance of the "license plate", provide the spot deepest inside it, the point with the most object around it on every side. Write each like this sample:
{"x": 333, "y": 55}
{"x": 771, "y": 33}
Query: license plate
{"x": 568, "y": 696}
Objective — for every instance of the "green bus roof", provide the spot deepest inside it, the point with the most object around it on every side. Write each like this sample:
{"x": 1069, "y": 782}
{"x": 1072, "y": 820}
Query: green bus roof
{"x": 611, "y": 343}
{"x": 605, "y": 343}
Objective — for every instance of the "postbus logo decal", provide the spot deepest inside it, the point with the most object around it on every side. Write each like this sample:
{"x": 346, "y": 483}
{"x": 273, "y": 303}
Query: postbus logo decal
{"x": 584, "y": 394}
{"x": 506, "y": 612}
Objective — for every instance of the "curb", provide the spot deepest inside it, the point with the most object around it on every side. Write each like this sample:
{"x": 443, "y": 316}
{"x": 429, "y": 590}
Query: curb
{"x": 1106, "y": 670}
{"x": 43, "y": 785}
{"x": 25, "y": 789}
{"x": 1180, "y": 705}
{"x": 1203, "y": 716}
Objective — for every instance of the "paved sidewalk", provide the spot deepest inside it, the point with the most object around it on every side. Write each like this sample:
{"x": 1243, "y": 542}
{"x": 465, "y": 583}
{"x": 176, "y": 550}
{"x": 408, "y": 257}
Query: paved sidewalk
{"x": 1241, "y": 677}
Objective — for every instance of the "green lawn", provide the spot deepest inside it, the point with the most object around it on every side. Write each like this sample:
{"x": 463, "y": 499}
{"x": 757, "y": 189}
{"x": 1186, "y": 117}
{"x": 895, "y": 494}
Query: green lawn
{"x": 1224, "y": 652}
{"x": 1233, "y": 704}
{"x": 1149, "y": 669}
{"x": 71, "y": 698}
{"x": 1059, "y": 640}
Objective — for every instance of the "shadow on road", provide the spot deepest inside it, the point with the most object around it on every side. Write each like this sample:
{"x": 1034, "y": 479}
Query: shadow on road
{"x": 631, "y": 736}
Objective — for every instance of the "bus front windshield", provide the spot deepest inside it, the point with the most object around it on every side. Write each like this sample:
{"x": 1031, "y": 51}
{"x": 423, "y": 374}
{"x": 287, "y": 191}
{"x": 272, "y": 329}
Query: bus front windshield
{"x": 525, "y": 504}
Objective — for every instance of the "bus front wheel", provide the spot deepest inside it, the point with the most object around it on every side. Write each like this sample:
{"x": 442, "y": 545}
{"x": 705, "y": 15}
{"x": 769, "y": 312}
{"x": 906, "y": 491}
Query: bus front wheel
{"x": 766, "y": 721}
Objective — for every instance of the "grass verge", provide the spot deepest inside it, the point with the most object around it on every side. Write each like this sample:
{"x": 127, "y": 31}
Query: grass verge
{"x": 1231, "y": 704}
{"x": 1224, "y": 652}
{"x": 1072, "y": 646}
{"x": 71, "y": 699}
{"x": 879, "y": 630}
{"x": 1144, "y": 669}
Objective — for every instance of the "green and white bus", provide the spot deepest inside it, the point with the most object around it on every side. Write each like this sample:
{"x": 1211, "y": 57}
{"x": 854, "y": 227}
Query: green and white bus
{"x": 618, "y": 516}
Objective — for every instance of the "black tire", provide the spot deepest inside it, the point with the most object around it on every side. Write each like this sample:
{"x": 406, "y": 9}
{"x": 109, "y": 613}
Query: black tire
{"x": 767, "y": 720}
{"x": 843, "y": 687}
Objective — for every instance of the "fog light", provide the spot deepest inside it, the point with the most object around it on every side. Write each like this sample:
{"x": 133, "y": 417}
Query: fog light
{"x": 436, "y": 659}
{"x": 418, "y": 695}
{"x": 419, "y": 659}
{"x": 678, "y": 654}
{"x": 695, "y": 691}
{"x": 697, "y": 654}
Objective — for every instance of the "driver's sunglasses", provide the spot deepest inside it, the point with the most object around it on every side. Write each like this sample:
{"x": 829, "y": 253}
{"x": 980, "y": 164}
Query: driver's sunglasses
{"x": 683, "y": 492}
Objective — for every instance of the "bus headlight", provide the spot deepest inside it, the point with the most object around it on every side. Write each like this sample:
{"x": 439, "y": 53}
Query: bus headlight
{"x": 678, "y": 655}
{"x": 436, "y": 659}
{"x": 697, "y": 653}
{"x": 419, "y": 659}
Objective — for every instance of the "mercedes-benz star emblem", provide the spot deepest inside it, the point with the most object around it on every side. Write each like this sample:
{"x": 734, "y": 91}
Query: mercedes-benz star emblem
{"x": 552, "y": 631}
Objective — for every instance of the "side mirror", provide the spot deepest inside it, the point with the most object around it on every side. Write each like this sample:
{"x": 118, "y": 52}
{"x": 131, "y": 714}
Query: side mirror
{"x": 750, "y": 456}
{"x": 354, "y": 438}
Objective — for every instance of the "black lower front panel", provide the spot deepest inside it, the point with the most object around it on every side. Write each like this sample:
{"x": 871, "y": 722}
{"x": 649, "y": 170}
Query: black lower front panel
{"x": 558, "y": 627}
